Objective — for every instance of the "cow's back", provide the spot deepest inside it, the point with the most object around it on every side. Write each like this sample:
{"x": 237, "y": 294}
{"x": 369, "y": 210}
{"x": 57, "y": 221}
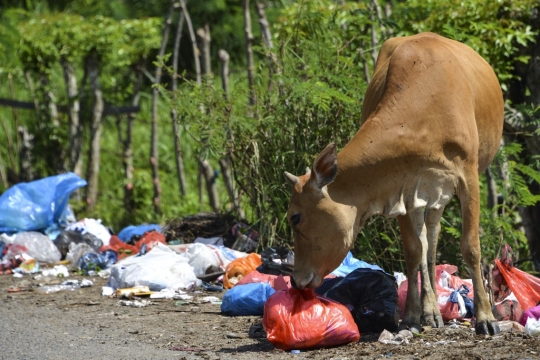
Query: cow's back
{"x": 428, "y": 90}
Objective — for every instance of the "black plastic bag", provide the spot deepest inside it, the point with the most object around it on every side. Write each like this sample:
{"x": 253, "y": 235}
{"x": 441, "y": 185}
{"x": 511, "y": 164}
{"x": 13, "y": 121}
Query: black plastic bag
{"x": 276, "y": 261}
{"x": 371, "y": 295}
{"x": 66, "y": 237}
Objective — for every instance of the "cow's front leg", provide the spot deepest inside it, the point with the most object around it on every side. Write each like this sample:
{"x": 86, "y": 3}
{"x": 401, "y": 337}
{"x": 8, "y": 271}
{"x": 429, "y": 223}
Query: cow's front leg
{"x": 469, "y": 196}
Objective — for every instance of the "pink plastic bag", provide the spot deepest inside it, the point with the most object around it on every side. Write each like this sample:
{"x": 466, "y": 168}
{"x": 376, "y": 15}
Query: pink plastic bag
{"x": 446, "y": 284}
{"x": 295, "y": 319}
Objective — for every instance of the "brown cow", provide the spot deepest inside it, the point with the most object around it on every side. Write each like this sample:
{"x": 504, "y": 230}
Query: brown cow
{"x": 431, "y": 122}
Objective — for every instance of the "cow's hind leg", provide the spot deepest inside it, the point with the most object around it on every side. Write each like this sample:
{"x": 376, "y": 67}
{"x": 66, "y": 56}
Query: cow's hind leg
{"x": 433, "y": 227}
{"x": 415, "y": 246}
{"x": 469, "y": 196}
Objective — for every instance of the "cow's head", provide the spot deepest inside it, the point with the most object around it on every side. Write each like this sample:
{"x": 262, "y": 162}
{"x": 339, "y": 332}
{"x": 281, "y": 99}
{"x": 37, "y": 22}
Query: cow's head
{"x": 322, "y": 227}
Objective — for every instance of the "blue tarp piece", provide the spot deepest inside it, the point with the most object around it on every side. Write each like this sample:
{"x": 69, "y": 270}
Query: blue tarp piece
{"x": 128, "y": 232}
{"x": 38, "y": 204}
{"x": 246, "y": 299}
{"x": 350, "y": 264}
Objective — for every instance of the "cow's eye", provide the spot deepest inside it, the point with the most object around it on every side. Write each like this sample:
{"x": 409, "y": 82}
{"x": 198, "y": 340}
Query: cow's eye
{"x": 295, "y": 219}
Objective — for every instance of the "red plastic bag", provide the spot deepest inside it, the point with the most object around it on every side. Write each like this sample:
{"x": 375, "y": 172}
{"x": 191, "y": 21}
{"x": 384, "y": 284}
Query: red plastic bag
{"x": 526, "y": 288}
{"x": 151, "y": 239}
{"x": 295, "y": 319}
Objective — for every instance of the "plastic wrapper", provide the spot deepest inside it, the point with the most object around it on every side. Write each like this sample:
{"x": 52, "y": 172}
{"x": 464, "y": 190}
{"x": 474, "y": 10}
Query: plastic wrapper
{"x": 38, "y": 246}
{"x": 371, "y": 296}
{"x": 248, "y": 299}
{"x": 295, "y": 319}
{"x": 526, "y": 287}
{"x": 240, "y": 268}
{"x": 38, "y": 204}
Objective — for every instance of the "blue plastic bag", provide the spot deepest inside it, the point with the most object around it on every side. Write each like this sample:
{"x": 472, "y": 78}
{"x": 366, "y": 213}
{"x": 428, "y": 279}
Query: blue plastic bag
{"x": 38, "y": 204}
{"x": 247, "y": 299}
{"x": 96, "y": 262}
{"x": 128, "y": 232}
{"x": 350, "y": 264}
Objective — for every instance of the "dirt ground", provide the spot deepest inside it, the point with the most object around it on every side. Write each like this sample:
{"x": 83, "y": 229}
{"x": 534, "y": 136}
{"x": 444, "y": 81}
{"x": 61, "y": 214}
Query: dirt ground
{"x": 82, "y": 324}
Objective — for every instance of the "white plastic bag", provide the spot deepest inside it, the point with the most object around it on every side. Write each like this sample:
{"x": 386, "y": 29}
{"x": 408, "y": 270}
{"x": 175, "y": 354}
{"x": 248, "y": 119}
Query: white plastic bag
{"x": 38, "y": 246}
{"x": 160, "y": 268}
{"x": 532, "y": 327}
{"x": 93, "y": 227}
{"x": 202, "y": 258}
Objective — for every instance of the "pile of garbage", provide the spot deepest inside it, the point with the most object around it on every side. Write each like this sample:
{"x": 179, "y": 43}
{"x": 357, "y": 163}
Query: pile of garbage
{"x": 40, "y": 234}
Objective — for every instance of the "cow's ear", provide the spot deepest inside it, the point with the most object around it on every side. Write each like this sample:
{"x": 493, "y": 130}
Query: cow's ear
{"x": 325, "y": 166}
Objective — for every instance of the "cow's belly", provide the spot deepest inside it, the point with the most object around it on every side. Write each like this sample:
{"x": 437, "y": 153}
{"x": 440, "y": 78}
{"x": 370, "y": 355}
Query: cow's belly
{"x": 431, "y": 190}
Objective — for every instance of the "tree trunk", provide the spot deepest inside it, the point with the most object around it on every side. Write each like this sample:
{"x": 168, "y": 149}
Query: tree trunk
{"x": 225, "y": 162}
{"x": 193, "y": 42}
{"x": 210, "y": 178}
{"x": 249, "y": 52}
{"x": 92, "y": 173}
{"x": 154, "y": 154}
{"x": 205, "y": 41}
{"x": 267, "y": 41}
{"x": 127, "y": 156}
{"x": 75, "y": 139}
{"x": 375, "y": 9}
{"x": 25, "y": 155}
{"x": 174, "y": 114}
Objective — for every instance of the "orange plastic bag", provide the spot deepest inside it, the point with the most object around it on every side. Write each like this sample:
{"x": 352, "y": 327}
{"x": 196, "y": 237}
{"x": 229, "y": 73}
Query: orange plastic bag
{"x": 240, "y": 267}
{"x": 525, "y": 287}
{"x": 295, "y": 319}
{"x": 124, "y": 250}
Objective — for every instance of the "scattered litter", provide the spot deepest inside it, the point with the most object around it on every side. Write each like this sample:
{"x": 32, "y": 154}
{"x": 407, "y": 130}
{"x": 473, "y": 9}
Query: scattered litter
{"x": 107, "y": 291}
{"x": 163, "y": 294}
{"x": 133, "y": 291}
{"x": 211, "y": 299}
{"x": 48, "y": 289}
{"x": 508, "y": 325}
{"x": 58, "y": 270}
{"x": 135, "y": 303}
{"x": 401, "y": 337}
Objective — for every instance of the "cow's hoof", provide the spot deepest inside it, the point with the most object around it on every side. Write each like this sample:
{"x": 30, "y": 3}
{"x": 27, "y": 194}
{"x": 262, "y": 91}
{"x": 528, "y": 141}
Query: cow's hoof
{"x": 487, "y": 328}
{"x": 412, "y": 327}
{"x": 435, "y": 321}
